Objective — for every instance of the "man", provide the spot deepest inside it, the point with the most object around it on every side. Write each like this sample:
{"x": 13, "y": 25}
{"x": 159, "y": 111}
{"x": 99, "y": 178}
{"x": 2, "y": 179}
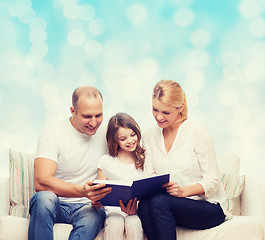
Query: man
{"x": 64, "y": 168}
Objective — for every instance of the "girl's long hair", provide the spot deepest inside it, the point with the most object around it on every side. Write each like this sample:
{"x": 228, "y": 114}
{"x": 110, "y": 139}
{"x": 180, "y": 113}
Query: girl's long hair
{"x": 126, "y": 121}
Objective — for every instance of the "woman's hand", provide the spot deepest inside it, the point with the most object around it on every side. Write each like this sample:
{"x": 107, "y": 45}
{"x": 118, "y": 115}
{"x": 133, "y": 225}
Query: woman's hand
{"x": 174, "y": 189}
{"x": 131, "y": 207}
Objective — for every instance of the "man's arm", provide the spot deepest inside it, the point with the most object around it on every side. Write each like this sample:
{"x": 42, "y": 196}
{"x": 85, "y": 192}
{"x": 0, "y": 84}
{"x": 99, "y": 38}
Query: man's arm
{"x": 44, "y": 180}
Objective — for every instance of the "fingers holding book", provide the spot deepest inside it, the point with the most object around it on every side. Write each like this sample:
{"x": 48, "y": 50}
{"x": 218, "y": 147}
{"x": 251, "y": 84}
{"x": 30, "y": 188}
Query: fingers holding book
{"x": 95, "y": 192}
{"x": 130, "y": 208}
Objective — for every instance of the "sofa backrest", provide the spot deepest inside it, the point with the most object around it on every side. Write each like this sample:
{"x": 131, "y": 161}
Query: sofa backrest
{"x": 229, "y": 163}
{"x": 21, "y": 182}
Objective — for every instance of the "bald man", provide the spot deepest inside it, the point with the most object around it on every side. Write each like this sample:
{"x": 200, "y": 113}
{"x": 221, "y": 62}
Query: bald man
{"x": 64, "y": 168}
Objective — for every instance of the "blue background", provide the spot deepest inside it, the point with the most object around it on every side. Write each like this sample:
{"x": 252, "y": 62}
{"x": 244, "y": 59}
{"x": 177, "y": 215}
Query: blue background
{"x": 214, "y": 49}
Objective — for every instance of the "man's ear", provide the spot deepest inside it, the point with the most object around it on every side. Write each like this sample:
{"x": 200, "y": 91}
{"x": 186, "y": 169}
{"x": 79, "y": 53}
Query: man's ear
{"x": 72, "y": 111}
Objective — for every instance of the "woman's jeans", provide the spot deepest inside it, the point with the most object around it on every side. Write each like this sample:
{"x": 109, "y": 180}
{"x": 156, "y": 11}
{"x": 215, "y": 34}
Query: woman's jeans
{"x": 46, "y": 210}
{"x": 162, "y": 213}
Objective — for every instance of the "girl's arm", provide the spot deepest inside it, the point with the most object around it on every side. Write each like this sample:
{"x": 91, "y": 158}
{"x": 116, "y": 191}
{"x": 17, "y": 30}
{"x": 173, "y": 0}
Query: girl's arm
{"x": 101, "y": 175}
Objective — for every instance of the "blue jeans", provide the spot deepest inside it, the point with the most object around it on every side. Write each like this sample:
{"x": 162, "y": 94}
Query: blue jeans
{"x": 46, "y": 210}
{"x": 162, "y": 213}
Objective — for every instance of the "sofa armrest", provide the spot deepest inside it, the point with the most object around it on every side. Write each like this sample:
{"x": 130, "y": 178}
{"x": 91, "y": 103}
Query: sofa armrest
{"x": 4, "y": 196}
{"x": 253, "y": 197}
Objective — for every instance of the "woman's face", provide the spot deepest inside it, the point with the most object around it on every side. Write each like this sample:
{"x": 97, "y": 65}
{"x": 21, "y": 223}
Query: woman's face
{"x": 127, "y": 139}
{"x": 165, "y": 115}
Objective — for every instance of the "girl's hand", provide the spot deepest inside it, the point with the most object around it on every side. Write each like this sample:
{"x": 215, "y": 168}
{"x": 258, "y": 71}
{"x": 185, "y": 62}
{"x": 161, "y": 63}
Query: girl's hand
{"x": 174, "y": 189}
{"x": 131, "y": 207}
{"x": 96, "y": 205}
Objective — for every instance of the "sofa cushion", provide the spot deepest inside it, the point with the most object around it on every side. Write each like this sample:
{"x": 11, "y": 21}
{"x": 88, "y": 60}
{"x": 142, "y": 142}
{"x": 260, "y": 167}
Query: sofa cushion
{"x": 233, "y": 186}
{"x": 21, "y": 182}
{"x": 9, "y": 223}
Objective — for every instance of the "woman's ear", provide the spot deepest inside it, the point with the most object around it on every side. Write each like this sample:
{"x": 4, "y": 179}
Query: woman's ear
{"x": 181, "y": 108}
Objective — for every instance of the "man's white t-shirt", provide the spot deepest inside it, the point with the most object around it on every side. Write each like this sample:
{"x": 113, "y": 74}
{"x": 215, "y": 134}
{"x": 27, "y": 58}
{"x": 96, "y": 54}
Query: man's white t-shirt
{"x": 75, "y": 153}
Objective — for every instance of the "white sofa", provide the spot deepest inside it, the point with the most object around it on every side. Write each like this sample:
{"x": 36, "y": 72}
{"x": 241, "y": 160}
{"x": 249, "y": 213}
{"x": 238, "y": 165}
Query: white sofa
{"x": 246, "y": 198}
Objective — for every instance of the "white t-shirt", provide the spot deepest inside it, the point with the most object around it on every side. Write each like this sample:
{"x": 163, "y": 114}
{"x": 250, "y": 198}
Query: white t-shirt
{"x": 191, "y": 159}
{"x": 75, "y": 153}
{"x": 116, "y": 170}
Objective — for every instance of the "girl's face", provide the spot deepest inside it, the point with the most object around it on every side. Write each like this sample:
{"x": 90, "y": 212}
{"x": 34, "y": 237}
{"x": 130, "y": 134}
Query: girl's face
{"x": 127, "y": 139}
{"x": 165, "y": 115}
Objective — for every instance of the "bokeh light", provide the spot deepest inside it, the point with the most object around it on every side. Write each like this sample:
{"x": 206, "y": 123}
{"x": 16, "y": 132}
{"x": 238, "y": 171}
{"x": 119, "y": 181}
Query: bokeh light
{"x": 48, "y": 48}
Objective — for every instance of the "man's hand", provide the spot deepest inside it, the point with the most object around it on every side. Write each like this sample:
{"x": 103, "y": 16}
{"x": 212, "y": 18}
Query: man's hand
{"x": 95, "y": 192}
{"x": 96, "y": 205}
{"x": 131, "y": 207}
{"x": 174, "y": 189}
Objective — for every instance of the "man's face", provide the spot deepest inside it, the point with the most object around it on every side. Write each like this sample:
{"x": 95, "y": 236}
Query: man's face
{"x": 88, "y": 116}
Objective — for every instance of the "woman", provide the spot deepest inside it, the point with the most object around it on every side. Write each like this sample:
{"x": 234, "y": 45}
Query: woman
{"x": 184, "y": 148}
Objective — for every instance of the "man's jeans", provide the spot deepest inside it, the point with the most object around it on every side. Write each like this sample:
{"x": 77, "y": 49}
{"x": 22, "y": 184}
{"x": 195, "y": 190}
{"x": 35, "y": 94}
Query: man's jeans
{"x": 46, "y": 210}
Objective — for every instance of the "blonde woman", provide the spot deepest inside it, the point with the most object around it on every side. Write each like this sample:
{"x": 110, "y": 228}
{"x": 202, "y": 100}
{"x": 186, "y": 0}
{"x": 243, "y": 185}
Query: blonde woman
{"x": 184, "y": 148}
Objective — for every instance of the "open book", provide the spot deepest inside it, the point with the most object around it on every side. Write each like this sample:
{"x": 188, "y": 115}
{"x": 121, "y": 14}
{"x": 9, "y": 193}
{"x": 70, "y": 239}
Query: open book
{"x": 126, "y": 190}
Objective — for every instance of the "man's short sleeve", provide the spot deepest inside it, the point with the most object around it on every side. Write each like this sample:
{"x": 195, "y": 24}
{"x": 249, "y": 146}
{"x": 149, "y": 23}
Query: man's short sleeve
{"x": 48, "y": 145}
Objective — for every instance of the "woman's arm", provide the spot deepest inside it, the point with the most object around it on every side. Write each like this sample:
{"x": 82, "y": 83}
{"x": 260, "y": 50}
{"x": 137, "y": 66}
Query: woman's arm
{"x": 175, "y": 190}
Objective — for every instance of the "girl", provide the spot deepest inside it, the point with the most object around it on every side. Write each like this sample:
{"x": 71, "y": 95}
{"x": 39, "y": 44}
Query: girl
{"x": 125, "y": 161}
{"x": 185, "y": 149}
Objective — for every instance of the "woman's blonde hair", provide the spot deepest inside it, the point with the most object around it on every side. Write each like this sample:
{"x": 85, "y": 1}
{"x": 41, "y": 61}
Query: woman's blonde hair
{"x": 169, "y": 92}
{"x": 126, "y": 121}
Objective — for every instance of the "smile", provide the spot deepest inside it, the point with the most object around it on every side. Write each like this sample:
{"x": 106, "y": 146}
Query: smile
{"x": 161, "y": 121}
{"x": 130, "y": 145}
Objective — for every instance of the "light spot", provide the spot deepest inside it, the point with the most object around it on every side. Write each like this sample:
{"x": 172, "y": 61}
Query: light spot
{"x": 194, "y": 81}
{"x": 136, "y": 13}
{"x": 255, "y": 71}
{"x": 33, "y": 60}
{"x": 231, "y": 72}
{"x": 93, "y": 48}
{"x": 228, "y": 98}
{"x": 37, "y": 23}
{"x": 97, "y": 26}
{"x": 200, "y": 38}
{"x": 181, "y": 3}
{"x": 67, "y": 2}
{"x": 46, "y": 71}
{"x": 183, "y": 17}
{"x": 148, "y": 68}
{"x": 38, "y": 35}
{"x": 88, "y": 12}
{"x": 251, "y": 94}
{"x": 249, "y": 9}
{"x": 27, "y": 16}
{"x": 257, "y": 27}
{"x": 242, "y": 113}
{"x": 72, "y": 11}
{"x": 19, "y": 8}
{"x": 231, "y": 58}
{"x": 198, "y": 58}
{"x": 40, "y": 49}
{"x": 76, "y": 37}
